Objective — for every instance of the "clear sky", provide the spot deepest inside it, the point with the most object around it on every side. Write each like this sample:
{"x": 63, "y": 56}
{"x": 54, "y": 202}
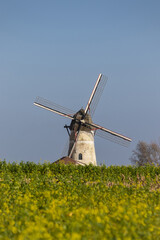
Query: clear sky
{"x": 56, "y": 49}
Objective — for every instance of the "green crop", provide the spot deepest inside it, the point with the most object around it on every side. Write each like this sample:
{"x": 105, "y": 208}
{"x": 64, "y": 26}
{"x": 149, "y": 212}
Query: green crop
{"x": 54, "y": 201}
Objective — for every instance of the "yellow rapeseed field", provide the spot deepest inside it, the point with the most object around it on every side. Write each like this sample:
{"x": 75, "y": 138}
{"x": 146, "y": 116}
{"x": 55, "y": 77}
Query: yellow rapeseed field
{"x": 49, "y": 201}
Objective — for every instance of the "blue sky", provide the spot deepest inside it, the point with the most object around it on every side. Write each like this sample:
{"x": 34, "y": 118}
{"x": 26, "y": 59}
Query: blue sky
{"x": 56, "y": 49}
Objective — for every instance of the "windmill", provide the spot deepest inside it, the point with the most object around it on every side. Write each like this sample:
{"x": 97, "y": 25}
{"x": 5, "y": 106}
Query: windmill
{"x": 82, "y": 130}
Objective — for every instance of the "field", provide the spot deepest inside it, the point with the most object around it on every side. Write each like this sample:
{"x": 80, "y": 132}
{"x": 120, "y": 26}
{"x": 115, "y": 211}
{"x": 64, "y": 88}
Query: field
{"x": 49, "y": 201}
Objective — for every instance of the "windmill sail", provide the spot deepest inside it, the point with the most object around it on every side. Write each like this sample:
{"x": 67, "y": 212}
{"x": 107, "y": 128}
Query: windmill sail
{"x": 53, "y": 107}
{"x": 74, "y": 144}
{"x": 112, "y": 137}
{"x": 96, "y": 94}
{"x": 109, "y": 135}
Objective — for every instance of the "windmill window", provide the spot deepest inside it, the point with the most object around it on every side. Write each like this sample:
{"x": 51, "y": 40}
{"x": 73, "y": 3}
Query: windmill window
{"x": 80, "y": 156}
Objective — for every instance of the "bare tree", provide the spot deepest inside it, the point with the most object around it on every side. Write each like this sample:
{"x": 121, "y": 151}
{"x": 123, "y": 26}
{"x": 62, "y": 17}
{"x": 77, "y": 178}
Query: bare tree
{"x": 146, "y": 154}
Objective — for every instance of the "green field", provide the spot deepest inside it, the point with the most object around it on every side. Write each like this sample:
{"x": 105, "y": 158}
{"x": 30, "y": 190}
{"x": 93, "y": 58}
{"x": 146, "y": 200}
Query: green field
{"x": 49, "y": 201}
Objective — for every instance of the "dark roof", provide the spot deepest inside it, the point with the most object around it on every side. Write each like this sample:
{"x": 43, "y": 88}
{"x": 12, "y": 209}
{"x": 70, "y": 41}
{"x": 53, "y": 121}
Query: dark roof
{"x": 66, "y": 160}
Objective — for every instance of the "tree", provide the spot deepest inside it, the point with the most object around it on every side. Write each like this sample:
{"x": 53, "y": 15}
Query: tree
{"x": 146, "y": 154}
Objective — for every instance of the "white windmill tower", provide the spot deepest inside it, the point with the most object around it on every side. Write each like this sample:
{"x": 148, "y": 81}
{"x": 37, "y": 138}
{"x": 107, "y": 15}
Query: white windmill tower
{"x": 82, "y": 130}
